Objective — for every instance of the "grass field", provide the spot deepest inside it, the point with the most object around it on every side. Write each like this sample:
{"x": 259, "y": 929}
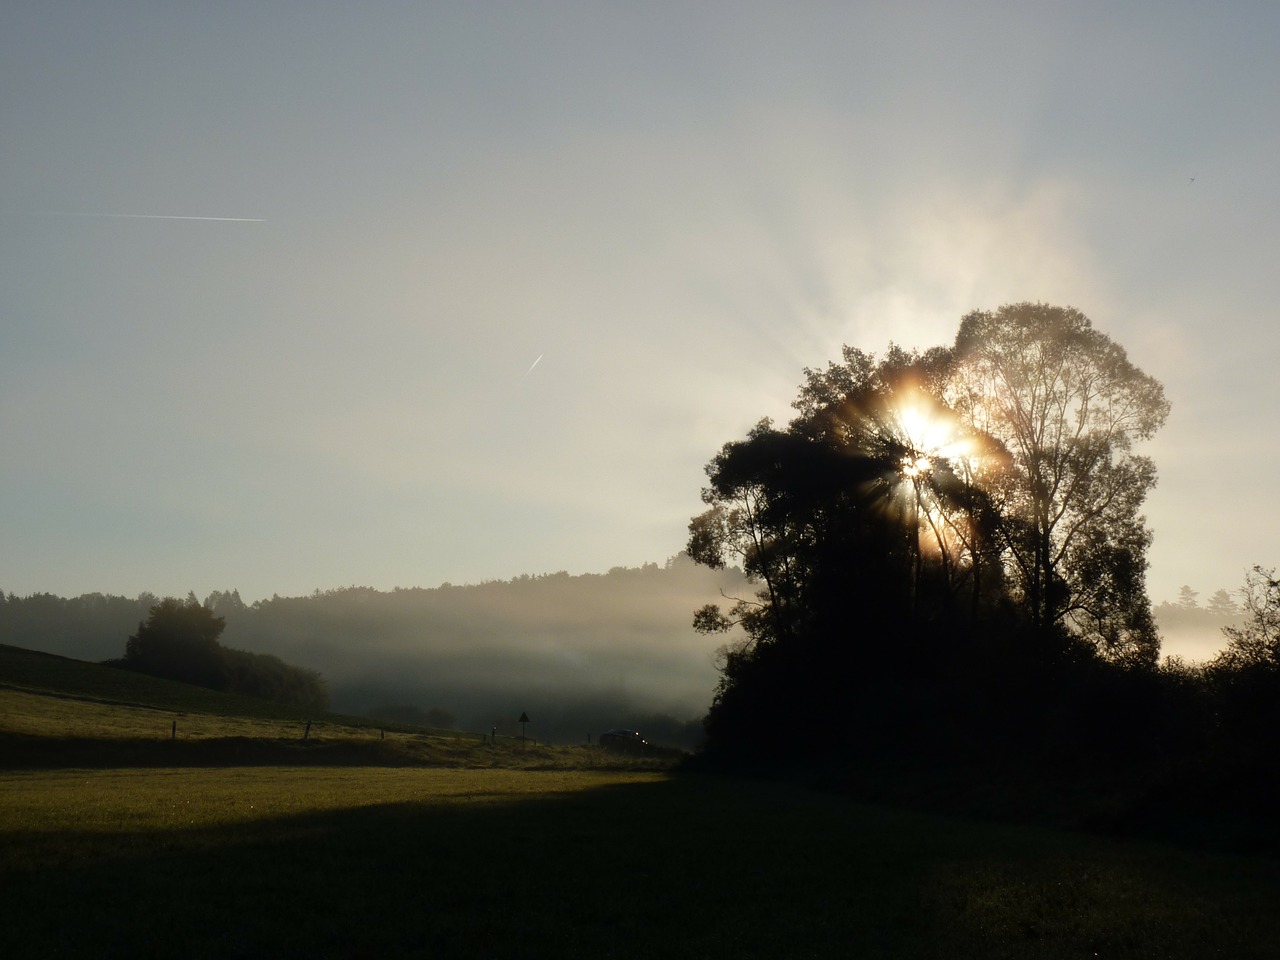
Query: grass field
{"x": 510, "y": 861}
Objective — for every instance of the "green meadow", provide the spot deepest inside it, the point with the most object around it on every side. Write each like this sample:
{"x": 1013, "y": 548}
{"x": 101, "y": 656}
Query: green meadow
{"x": 374, "y": 843}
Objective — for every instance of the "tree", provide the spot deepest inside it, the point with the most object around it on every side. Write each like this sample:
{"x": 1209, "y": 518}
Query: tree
{"x": 1245, "y": 677}
{"x": 936, "y": 530}
{"x": 787, "y": 506}
{"x": 1256, "y": 641}
{"x": 225, "y": 602}
{"x": 179, "y": 640}
{"x": 1222, "y": 607}
{"x": 866, "y": 528}
{"x": 1187, "y": 598}
{"x": 1068, "y": 405}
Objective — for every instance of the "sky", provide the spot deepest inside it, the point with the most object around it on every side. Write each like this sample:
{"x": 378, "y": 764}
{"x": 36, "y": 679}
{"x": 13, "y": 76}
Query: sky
{"x": 490, "y": 283}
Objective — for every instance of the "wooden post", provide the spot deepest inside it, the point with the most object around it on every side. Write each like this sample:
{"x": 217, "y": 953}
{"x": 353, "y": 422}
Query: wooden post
{"x": 173, "y": 731}
{"x": 307, "y": 732}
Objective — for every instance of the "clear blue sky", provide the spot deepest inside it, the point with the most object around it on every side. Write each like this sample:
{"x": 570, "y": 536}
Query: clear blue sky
{"x": 675, "y": 206}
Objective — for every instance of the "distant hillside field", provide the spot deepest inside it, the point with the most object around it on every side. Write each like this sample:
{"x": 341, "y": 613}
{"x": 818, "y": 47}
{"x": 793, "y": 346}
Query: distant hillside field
{"x": 578, "y": 654}
{"x": 56, "y": 711}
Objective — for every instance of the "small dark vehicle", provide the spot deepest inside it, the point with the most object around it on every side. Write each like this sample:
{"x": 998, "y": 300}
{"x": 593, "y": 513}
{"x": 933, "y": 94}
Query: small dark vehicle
{"x": 624, "y": 741}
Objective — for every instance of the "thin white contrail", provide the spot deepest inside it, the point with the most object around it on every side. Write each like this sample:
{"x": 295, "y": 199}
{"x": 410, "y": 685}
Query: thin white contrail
{"x": 531, "y": 366}
{"x": 151, "y": 216}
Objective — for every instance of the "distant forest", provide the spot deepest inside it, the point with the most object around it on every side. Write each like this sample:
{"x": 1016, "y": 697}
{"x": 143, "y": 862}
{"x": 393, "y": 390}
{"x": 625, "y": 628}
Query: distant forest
{"x": 579, "y": 654}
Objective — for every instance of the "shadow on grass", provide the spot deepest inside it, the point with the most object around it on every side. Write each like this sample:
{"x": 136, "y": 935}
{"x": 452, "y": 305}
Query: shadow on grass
{"x": 18, "y": 752}
{"x": 685, "y": 867}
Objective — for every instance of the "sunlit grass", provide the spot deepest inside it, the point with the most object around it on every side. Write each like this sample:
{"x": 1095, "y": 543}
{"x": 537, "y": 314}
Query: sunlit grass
{"x": 112, "y": 809}
{"x": 36, "y": 672}
{"x": 34, "y": 714}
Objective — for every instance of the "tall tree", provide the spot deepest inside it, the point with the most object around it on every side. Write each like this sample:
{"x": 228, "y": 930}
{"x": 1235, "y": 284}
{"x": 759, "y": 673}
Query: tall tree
{"x": 1068, "y": 405}
{"x": 874, "y": 483}
{"x": 788, "y": 507}
{"x": 945, "y": 471}
{"x": 1222, "y": 606}
{"x": 179, "y": 640}
{"x": 926, "y": 517}
{"x": 1256, "y": 641}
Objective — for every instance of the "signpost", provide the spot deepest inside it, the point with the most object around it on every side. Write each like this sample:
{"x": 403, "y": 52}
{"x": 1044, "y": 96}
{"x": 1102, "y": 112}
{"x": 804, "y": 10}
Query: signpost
{"x": 524, "y": 718}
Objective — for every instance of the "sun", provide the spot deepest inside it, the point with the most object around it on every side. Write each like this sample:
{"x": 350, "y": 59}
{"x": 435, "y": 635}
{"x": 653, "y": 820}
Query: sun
{"x": 915, "y": 466}
{"x": 932, "y": 446}
{"x": 927, "y": 430}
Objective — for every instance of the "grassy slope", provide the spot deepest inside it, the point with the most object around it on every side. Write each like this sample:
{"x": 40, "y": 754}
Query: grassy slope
{"x": 57, "y": 712}
{"x": 46, "y": 673}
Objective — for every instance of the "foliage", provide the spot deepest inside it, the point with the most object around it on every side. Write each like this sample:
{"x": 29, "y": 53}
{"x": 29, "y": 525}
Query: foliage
{"x": 88, "y": 627}
{"x": 1222, "y": 606}
{"x": 946, "y": 544}
{"x": 787, "y": 507}
{"x": 179, "y": 641}
{"x": 1256, "y": 642}
{"x": 1068, "y": 405}
{"x": 1246, "y": 675}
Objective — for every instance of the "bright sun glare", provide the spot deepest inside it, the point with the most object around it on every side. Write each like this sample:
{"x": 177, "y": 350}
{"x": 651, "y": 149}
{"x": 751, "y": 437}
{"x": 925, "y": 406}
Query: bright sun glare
{"x": 913, "y": 466}
{"x": 928, "y": 434}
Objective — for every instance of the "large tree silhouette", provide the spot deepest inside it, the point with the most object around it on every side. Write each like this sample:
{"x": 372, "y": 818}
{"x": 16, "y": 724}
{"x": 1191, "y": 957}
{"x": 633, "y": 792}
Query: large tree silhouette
{"x": 924, "y": 506}
{"x": 1068, "y": 406}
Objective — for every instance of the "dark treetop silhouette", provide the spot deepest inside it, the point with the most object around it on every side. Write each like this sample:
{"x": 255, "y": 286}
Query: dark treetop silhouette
{"x": 926, "y": 510}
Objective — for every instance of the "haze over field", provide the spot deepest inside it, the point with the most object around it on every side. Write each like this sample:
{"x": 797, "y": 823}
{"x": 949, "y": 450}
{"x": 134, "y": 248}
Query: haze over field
{"x": 577, "y": 653}
{"x": 471, "y": 291}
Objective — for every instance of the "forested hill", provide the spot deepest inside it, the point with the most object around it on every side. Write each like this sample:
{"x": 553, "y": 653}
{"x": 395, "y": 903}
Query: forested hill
{"x": 606, "y": 645}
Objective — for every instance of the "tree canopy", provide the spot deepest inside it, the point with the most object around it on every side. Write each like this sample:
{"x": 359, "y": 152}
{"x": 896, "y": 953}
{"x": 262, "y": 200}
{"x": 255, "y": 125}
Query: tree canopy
{"x": 925, "y": 503}
{"x": 1256, "y": 641}
{"x": 1068, "y": 405}
{"x": 179, "y": 640}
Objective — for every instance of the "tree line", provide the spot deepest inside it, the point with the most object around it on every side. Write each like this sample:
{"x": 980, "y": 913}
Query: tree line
{"x": 948, "y": 553}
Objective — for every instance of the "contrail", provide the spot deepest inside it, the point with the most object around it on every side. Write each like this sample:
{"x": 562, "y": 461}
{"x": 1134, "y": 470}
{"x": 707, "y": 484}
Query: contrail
{"x": 151, "y": 216}
{"x": 531, "y": 366}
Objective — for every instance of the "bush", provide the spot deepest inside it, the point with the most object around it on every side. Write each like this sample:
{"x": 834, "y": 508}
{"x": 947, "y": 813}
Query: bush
{"x": 179, "y": 641}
